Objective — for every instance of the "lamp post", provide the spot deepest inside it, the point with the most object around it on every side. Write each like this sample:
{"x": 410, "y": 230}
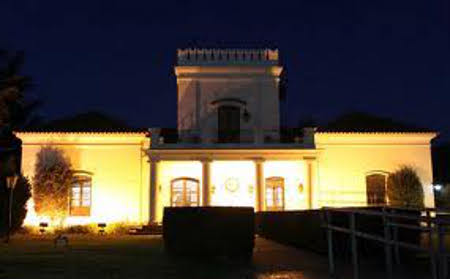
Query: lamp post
{"x": 10, "y": 184}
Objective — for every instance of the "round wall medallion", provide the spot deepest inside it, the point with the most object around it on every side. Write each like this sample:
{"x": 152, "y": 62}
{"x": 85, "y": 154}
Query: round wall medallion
{"x": 232, "y": 184}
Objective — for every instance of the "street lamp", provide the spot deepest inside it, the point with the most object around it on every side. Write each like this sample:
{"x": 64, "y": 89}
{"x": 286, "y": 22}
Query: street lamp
{"x": 11, "y": 182}
{"x": 437, "y": 187}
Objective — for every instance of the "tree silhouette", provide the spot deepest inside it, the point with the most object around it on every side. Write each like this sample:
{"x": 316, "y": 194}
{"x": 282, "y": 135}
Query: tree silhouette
{"x": 16, "y": 109}
{"x": 22, "y": 193}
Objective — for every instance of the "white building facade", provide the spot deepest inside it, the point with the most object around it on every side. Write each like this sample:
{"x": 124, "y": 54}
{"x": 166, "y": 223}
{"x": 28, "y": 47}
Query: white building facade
{"x": 228, "y": 150}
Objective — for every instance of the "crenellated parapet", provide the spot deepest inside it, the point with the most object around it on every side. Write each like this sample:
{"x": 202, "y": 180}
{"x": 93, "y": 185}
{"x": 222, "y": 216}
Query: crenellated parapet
{"x": 191, "y": 57}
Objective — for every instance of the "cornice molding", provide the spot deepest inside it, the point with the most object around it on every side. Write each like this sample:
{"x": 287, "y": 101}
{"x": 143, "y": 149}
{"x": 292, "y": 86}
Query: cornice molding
{"x": 228, "y": 71}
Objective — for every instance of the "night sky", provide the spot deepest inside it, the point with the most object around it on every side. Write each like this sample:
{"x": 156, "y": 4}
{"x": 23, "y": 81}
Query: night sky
{"x": 388, "y": 58}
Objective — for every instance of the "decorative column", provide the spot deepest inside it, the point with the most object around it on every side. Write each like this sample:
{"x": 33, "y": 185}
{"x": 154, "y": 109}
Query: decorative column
{"x": 206, "y": 182}
{"x": 154, "y": 166}
{"x": 310, "y": 181}
{"x": 259, "y": 189}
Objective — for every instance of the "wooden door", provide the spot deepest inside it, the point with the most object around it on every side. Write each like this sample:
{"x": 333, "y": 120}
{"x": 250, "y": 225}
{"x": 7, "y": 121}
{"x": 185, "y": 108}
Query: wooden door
{"x": 229, "y": 124}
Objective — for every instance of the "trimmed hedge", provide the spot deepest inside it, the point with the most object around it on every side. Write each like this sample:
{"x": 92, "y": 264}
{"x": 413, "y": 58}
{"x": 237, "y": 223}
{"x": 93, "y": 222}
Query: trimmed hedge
{"x": 209, "y": 231}
{"x": 300, "y": 229}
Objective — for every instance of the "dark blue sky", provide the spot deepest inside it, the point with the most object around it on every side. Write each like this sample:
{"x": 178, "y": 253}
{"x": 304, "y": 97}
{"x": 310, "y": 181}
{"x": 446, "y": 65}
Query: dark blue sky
{"x": 391, "y": 58}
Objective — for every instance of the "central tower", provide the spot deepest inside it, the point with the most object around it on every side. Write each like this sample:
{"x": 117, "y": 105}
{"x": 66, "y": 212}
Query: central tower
{"x": 228, "y": 95}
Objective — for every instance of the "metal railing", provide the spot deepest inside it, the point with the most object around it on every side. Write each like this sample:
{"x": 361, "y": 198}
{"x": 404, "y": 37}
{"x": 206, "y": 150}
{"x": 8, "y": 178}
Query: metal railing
{"x": 429, "y": 221}
{"x": 246, "y": 136}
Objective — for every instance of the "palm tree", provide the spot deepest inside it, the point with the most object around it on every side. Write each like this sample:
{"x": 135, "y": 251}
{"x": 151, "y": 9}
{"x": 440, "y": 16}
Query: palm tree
{"x": 16, "y": 111}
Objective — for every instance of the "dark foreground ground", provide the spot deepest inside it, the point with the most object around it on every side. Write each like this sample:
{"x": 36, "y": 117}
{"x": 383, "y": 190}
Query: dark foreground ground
{"x": 144, "y": 257}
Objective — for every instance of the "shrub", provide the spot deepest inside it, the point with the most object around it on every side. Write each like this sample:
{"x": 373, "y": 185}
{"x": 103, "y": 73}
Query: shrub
{"x": 119, "y": 228}
{"x": 21, "y": 195}
{"x": 115, "y": 229}
{"x": 209, "y": 231}
{"x": 77, "y": 229}
{"x": 28, "y": 230}
{"x": 301, "y": 229}
{"x": 51, "y": 184}
{"x": 404, "y": 188}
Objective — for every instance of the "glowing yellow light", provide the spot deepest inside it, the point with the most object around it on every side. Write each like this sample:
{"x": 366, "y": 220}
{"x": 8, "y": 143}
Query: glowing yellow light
{"x": 300, "y": 188}
{"x": 119, "y": 190}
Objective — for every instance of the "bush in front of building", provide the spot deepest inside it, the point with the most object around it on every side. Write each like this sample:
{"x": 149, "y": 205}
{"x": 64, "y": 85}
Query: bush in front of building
{"x": 209, "y": 232}
{"x": 111, "y": 229}
{"x": 51, "y": 184}
{"x": 300, "y": 228}
{"x": 118, "y": 228}
{"x": 77, "y": 229}
{"x": 404, "y": 188}
{"x": 28, "y": 230}
{"x": 21, "y": 195}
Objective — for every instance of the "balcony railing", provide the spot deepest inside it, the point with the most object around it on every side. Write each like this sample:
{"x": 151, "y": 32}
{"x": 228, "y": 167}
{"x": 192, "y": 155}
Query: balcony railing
{"x": 173, "y": 138}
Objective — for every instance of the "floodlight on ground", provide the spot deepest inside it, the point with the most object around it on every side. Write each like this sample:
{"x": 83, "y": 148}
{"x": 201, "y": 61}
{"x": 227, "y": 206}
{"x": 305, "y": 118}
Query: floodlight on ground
{"x": 101, "y": 228}
{"x": 42, "y": 227}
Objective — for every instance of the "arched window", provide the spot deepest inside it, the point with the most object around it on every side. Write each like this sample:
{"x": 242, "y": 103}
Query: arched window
{"x": 275, "y": 193}
{"x": 184, "y": 192}
{"x": 376, "y": 188}
{"x": 80, "y": 195}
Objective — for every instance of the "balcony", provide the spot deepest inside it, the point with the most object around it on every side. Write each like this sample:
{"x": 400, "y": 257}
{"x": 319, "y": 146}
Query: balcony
{"x": 169, "y": 138}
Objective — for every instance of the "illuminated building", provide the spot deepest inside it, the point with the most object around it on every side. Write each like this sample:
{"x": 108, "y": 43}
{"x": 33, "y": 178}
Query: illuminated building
{"x": 229, "y": 150}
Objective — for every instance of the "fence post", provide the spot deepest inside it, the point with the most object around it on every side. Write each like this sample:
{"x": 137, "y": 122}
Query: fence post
{"x": 396, "y": 246}
{"x": 441, "y": 247}
{"x": 387, "y": 244}
{"x": 330, "y": 243}
{"x": 430, "y": 246}
{"x": 354, "y": 246}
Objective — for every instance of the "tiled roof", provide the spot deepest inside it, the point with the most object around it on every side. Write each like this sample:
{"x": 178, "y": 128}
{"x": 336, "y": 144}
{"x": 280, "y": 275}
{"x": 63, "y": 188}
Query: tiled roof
{"x": 373, "y": 130}
{"x": 85, "y": 131}
{"x": 89, "y": 122}
{"x": 365, "y": 123}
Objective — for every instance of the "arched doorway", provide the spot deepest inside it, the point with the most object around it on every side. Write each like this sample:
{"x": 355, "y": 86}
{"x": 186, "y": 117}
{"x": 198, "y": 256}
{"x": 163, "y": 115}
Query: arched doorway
{"x": 376, "y": 189}
{"x": 275, "y": 193}
{"x": 229, "y": 119}
{"x": 184, "y": 192}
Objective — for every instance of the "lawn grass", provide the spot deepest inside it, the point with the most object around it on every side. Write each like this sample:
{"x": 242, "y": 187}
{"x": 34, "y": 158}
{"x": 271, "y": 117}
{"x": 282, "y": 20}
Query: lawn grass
{"x": 105, "y": 257}
{"x": 94, "y": 256}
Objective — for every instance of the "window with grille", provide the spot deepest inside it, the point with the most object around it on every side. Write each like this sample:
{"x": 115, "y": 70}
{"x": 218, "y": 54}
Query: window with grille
{"x": 275, "y": 194}
{"x": 80, "y": 196}
{"x": 185, "y": 192}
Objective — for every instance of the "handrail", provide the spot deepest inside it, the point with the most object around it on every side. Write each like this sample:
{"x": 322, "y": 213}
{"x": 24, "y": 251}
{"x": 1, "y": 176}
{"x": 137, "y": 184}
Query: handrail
{"x": 278, "y": 135}
{"x": 391, "y": 224}
{"x": 396, "y": 215}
